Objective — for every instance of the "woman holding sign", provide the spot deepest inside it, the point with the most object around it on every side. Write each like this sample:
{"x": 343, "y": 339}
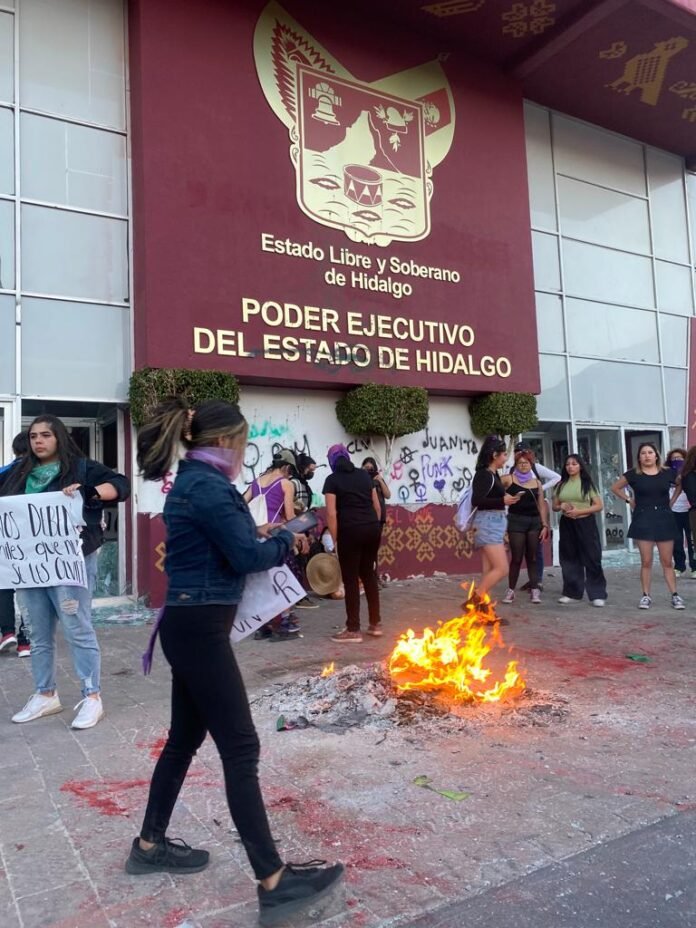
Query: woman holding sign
{"x": 54, "y": 463}
{"x": 212, "y": 545}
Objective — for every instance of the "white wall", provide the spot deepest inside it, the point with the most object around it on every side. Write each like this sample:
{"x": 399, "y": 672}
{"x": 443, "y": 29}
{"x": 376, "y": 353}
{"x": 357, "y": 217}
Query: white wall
{"x": 432, "y": 466}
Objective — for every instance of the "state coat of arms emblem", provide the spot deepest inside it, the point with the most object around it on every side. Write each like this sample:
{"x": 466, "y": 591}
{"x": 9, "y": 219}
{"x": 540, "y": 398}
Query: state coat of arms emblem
{"x": 363, "y": 153}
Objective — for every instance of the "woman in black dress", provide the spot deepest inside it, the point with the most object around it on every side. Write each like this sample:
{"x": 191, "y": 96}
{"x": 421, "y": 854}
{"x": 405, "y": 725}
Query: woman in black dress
{"x": 652, "y": 522}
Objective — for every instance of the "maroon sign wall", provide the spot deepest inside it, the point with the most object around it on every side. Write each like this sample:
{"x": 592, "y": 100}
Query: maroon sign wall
{"x": 323, "y": 199}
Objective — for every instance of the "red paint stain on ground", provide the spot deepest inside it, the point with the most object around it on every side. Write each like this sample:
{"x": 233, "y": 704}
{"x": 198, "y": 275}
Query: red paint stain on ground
{"x": 153, "y": 747}
{"x": 173, "y": 917}
{"x": 108, "y": 797}
{"x": 582, "y": 662}
{"x": 376, "y": 862}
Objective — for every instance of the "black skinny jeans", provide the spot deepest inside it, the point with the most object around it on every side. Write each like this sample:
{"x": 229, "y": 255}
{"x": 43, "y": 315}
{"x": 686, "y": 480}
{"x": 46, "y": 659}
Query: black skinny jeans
{"x": 683, "y": 528}
{"x": 208, "y": 695}
{"x": 357, "y": 554}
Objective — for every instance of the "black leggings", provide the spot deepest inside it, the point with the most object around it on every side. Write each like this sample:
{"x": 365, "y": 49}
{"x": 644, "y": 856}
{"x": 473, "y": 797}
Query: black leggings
{"x": 7, "y": 617}
{"x": 357, "y": 554}
{"x": 523, "y": 538}
{"x": 208, "y": 695}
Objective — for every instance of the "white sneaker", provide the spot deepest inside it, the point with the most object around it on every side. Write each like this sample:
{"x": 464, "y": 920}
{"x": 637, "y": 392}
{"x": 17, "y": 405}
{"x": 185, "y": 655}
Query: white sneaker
{"x": 644, "y": 602}
{"x": 598, "y": 603}
{"x": 564, "y": 600}
{"x": 38, "y": 706}
{"x": 91, "y": 712}
{"x": 509, "y": 597}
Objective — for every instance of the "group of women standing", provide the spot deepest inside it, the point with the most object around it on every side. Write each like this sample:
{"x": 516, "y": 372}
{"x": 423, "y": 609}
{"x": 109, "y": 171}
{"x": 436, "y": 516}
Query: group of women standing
{"x": 650, "y": 489}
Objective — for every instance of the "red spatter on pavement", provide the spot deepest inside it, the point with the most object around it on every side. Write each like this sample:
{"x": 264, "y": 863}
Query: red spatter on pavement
{"x": 153, "y": 747}
{"x": 108, "y": 797}
{"x": 581, "y": 662}
{"x": 173, "y": 917}
{"x": 375, "y": 862}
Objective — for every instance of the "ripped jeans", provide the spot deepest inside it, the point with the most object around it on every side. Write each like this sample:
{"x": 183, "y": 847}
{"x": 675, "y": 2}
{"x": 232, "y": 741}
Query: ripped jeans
{"x": 41, "y": 608}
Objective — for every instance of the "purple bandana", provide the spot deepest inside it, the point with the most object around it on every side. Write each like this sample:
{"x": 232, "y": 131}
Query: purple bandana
{"x": 149, "y": 651}
{"x": 523, "y": 478}
{"x": 226, "y": 460}
{"x": 335, "y": 452}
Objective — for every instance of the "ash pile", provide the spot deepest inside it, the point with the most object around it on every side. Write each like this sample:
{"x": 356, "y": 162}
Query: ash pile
{"x": 365, "y": 697}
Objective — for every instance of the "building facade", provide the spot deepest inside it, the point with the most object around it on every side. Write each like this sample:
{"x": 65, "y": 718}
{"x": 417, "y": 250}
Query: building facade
{"x": 314, "y": 200}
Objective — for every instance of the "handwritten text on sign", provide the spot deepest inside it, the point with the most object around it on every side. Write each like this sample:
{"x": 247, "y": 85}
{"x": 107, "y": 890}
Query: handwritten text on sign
{"x": 40, "y": 542}
{"x": 265, "y": 595}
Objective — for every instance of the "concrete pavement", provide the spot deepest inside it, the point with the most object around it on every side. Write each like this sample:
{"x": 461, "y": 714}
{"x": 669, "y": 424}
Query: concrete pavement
{"x": 580, "y": 818}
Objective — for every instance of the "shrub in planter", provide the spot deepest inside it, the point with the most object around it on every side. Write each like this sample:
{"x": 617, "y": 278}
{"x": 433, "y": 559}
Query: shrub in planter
{"x": 503, "y": 414}
{"x": 150, "y": 385}
{"x": 379, "y": 409}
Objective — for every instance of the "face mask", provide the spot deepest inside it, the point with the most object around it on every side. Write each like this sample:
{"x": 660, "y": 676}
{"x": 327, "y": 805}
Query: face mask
{"x": 676, "y": 465}
{"x": 309, "y": 475}
{"x": 370, "y": 471}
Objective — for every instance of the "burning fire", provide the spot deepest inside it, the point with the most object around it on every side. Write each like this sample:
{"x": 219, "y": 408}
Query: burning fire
{"x": 451, "y": 657}
{"x": 328, "y": 670}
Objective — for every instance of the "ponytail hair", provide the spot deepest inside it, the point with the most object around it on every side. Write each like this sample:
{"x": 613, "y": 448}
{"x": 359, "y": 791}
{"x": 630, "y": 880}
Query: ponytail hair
{"x": 174, "y": 423}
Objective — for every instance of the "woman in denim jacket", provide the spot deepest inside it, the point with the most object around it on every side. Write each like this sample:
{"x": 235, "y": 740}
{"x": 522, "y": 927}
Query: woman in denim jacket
{"x": 212, "y": 545}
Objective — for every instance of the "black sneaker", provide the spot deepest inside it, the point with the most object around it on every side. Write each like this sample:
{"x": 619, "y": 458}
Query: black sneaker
{"x": 307, "y": 603}
{"x": 300, "y": 885}
{"x": 264, "y": 632}
{"x": 168, "y": 857}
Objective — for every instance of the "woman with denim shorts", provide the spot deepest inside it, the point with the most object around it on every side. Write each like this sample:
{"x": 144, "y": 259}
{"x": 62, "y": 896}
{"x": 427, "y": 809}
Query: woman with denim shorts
{"x": 489, "y": 499}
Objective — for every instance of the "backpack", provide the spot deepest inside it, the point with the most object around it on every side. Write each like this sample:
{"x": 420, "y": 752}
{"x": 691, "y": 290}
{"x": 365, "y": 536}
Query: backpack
{"x": 258, "y": 506}
{"x": 465, "y": 511}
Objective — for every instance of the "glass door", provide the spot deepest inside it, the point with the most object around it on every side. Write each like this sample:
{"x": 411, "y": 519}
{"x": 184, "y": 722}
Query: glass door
{"x": 601, "y": 450}
{"x": 6, "y": 433}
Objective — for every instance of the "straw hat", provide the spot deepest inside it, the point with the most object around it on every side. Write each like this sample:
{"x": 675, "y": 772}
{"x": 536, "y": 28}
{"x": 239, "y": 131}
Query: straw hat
{"x": 324, "y": 574}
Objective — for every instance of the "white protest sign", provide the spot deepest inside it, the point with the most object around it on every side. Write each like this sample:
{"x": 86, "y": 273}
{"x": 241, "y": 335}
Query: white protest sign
{"x": 265, "y": 595}
{"x": 40, "y": 542}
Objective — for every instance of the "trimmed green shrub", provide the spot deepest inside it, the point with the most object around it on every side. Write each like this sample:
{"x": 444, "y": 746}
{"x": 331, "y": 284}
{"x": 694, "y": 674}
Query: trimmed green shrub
{"x": 379, "y": 409}
{"x": 503, "y": 414}
{"x": 150, "y": 385}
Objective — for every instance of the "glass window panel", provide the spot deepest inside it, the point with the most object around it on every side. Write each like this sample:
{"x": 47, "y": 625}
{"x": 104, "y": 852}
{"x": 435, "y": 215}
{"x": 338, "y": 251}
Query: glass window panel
{"x": 604, "y": 216}
{"x": 7, "y": 245}
{"x": 691, "y": 190}
{"x": 72, "y": 59}
{"x": 549, "y": 313}
{"x": 6, "y": 151}
{"x": 674, "y": 288}
{"x": 71, "y": 254}
{"x": 592, "y": 154}
{"x": 605, "y": 275}
{"x": 7, "y": 344}
{"x": 542, "y": 197}
{"x": 547, "y": 274}
{"x": 52, "y": 364}
{"x": 675, "y": 388}
{"x": 74, "y": 165}
{"x": 611, "y": 331}
{"x": 607, "y": 391}
{"x": 674, "y": 338}
{"x": 7, "y": 57}
{"x": 553, "y": 400}
{"x": 667, "y": 205}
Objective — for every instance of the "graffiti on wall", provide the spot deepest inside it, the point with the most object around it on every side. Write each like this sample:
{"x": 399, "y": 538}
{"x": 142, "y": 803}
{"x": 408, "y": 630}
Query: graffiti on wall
{"x": 432, "y": 466}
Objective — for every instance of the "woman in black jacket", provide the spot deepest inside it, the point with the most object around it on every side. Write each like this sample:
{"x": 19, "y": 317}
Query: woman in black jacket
{"x": 54, "y": 462}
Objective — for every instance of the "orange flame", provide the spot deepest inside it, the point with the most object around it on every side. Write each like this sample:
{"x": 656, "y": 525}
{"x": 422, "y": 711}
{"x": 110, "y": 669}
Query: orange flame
{"x": 451, "y": 657}
{"x": 328, "y": 670}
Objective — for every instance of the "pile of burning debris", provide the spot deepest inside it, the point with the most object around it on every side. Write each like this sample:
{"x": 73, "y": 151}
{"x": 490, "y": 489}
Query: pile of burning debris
{"x": 436, "y": 678}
